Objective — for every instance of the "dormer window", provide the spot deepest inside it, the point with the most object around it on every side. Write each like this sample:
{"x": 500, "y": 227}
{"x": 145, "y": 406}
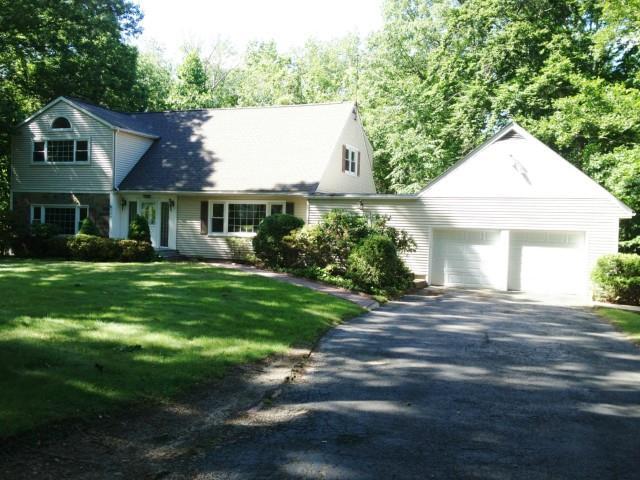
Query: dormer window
{"x": 61, "y": 123}
{"x": 350, "y": 160}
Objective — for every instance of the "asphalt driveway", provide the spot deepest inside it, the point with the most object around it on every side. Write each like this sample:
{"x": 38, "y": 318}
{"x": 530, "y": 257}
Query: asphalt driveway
{"x": 463, "y": 385}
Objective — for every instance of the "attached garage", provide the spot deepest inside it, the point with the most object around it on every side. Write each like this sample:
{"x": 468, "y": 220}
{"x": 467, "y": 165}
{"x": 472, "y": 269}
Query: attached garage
{"x": 511, "y": 215}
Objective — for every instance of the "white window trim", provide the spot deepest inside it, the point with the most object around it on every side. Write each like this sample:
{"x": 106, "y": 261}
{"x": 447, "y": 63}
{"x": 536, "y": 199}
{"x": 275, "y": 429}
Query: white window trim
{"x": 226, "y": 232}
{"x": 48, "y": 205}
{"x": 75, "y": 142}
{"x": 351, "y": 148}
{"x": 51, "y": 127}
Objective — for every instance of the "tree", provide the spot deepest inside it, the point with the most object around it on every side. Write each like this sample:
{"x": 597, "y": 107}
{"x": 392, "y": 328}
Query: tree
{"x": 154, "y": 82}
{"x": 442, "y": 76}
{"x": 192, "y": 88}
{"x": 57, "y": 48}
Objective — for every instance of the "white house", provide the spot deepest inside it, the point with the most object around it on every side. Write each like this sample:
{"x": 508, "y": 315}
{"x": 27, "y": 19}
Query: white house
{"x": 511, "y": 215}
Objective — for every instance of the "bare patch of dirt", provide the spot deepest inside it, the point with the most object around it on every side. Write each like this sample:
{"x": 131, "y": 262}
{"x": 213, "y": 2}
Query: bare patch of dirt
{"x": 153, "y": 441}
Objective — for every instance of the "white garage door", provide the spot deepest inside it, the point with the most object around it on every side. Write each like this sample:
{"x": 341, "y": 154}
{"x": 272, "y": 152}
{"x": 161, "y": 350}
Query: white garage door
{"x": 468, "y": 258}
{"x": 547, "y": 262}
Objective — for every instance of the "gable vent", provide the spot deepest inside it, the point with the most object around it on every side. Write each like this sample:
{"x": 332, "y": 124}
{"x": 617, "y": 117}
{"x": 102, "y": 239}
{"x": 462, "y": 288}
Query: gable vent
{"x": 512, "y": 135}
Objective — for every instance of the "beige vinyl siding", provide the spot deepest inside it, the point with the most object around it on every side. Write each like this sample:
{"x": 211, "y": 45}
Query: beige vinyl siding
{"x": 191, "y": 243}
{"x": 598, "y": 218}
{"x": 334, "y": 180}
{"x": 129, "y": 149}
{"x": 92, "y": 177}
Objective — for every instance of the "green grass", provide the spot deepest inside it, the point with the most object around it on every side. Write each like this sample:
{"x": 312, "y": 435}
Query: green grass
{"x": 155, "y": 329}
{"x": 628, "y": 322}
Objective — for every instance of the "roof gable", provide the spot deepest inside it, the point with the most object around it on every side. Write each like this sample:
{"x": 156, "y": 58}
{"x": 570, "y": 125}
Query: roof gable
{"x": 513, "y": 163}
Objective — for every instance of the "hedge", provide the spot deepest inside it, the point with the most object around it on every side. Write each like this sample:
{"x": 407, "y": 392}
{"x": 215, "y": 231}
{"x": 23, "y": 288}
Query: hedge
{"x": 617, "y": 278}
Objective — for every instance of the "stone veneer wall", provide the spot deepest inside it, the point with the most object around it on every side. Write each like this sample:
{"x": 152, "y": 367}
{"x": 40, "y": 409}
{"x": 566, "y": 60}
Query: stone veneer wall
{"x": 98, "y": 204}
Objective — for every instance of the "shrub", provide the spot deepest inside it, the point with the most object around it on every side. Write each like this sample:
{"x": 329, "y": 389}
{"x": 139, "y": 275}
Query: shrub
{"x": 375, "y": 266}
{"x": 32, "y": 240}
{"x": 134, "y": 251}
{"x": 139, "y": 229}
{"x": 7, "y": 230}
{"x": 57, "y": 247}
{"x": 89, "y": 228}
{"x": 268, "y": 244}
{"x": 630, "y": 246}
{"x": 89, "y": 247}
{"x": 617, "y": 278}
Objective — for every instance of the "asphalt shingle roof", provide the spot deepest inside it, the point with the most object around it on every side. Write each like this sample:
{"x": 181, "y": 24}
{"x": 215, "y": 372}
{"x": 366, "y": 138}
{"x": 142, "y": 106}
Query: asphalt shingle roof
{"x": 283, "y": 148}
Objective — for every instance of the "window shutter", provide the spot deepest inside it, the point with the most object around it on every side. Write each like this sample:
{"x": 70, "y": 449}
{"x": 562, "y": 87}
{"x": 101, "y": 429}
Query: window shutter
{"x": 204, "y": 217}
{"x": 358, "y": 166}
{"x": 344, "y": 156}
{"x": 290, "y": 208}
{"x": 133, "y": 211}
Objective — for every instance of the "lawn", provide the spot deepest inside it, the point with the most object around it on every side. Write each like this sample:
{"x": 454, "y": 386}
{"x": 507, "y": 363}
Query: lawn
{"x": 627, "y": 321}
{"x": 81, "y": 338}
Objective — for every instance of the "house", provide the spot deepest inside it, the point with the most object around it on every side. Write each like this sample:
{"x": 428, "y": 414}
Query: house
{"x": 511, "y": 215}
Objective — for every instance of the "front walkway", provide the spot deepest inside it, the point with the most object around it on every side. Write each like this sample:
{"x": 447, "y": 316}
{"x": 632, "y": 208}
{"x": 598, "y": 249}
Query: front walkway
{"x": 365, "y": 301}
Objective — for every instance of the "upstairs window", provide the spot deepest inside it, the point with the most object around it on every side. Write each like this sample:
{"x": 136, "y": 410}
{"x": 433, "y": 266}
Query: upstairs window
{"x": 350, "y": 160}
{"x": 61, "y": 151}
{"x": 61, "y": 123}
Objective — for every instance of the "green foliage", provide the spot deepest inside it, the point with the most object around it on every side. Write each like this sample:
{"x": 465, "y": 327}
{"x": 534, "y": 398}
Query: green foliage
{"x": 139, "y": 229}
{"x": 87, "y": 227}
{"x": 154, "y": 83}
{"x": 193, "y": 86}
{"x": 92, "y": 248}
{"x": 630, "y": 246}
{"x": 135, "y": 251}
{"x": 374, "y": 266}
{"x": 268, "y": 245}
{"x": 7, "y": 231}
{"x": 617, "y": 278}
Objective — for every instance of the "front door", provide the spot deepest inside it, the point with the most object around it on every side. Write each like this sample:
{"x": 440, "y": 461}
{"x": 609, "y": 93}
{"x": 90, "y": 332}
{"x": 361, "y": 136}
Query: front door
{"x": 164, "y": 224}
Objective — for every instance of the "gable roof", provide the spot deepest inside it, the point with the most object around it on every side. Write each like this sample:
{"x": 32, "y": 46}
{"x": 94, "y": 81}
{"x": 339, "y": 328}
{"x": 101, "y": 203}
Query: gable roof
{"x": 253, "y": 149}
{"x": 504, "y": 147}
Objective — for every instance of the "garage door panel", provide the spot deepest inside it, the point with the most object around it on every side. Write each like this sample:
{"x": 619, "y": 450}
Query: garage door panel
{"x": 547, "y": 262}
{"x": 465, "y": 258}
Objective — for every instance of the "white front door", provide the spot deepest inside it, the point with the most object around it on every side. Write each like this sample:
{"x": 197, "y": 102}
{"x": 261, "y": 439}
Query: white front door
{"x": 467, "y": 258}
{"x": 547, "y": 262}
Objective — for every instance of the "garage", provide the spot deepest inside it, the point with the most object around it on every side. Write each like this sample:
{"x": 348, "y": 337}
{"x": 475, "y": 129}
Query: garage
{"x": 547, "y": 262}
{"x": 466, "y": 258}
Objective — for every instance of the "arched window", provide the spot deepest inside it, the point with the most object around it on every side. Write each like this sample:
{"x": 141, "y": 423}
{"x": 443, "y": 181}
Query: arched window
{"x": 61, "y": 123}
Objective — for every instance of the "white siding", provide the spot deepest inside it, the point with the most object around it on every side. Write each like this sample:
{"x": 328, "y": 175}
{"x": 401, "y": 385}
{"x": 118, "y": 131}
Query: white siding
{"x": 191, "y": 243}
{"x": 129, "y": 149}
{"x": 598, "y": 218}
{"x": 334, "y": 180}
{"x": 92, "y": 177}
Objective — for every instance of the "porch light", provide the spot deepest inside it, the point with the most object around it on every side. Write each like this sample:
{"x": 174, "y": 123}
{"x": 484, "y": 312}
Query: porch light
{"x": 171, "y": 203}
{"x": 123, "y": 203}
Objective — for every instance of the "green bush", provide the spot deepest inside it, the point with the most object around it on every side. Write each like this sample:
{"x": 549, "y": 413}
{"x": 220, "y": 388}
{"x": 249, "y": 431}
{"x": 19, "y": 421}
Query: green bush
{"x": 32, "y": 240}
{"x": 57, "y": 247}
{"x": 630, "y": 246}
{"x": 268, "y": 245}
{"x": 617, "y": 278}
{"x": 89, "y": 247}
{"x": 375, "y": 267}
{"x": 139, "y": 229}
{"x": 87, "y": 227}
{"x": 7, "y": 231}
{"x": 135, "y": 251}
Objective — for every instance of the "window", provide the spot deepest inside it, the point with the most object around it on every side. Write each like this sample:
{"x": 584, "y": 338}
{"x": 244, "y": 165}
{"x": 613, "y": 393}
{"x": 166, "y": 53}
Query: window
{"x": 39, "y": 151}
{"x": 240, "y": 218}
{"x": 61, "y": 151}
{"x": 245, "y": 217}
{"x": 217, "y": 217}
{"x": 350, "y": 160}
{"x": 66, "y": 218}
{"x": 61, "y": 123}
